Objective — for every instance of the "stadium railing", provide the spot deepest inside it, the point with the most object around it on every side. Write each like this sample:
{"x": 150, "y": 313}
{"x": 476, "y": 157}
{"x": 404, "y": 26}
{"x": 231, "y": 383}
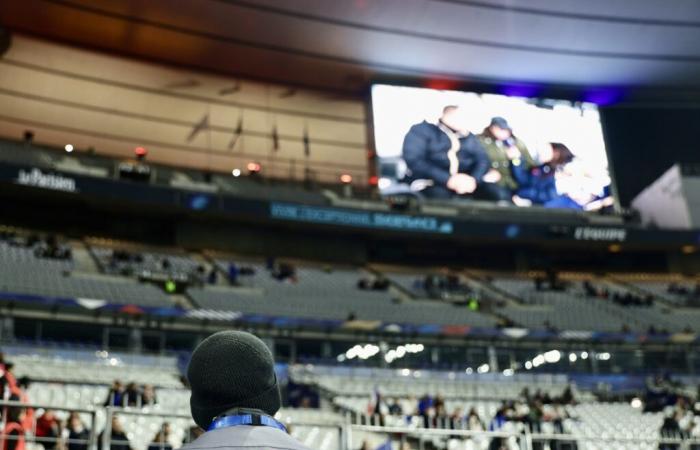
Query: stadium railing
{"x": 352, "y": 435}
{"x": 30, "y": 435}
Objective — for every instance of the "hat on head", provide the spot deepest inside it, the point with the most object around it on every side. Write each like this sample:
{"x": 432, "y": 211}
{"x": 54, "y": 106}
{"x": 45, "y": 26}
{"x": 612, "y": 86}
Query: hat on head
{"x": 231, "y": 369}
{"x": 500, "y": 122}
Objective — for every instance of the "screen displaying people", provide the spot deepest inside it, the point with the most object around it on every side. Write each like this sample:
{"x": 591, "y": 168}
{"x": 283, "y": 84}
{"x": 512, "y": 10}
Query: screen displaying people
{"x": 445, "y": 145}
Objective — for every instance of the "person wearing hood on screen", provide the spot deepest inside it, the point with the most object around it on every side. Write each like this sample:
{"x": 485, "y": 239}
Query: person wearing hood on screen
{"x": 445, "y": 160}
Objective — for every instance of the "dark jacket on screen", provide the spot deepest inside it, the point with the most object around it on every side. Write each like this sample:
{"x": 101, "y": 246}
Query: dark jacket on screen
{"x": 536, "y": 183}
{"x": 425, "y": 150}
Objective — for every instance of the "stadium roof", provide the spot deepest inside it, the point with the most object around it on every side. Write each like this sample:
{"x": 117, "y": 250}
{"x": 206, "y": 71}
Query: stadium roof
{"x": 342, "y": 45}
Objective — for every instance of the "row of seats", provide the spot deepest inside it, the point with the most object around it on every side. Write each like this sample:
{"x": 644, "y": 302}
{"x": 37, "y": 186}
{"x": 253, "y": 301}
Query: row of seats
{"x": 392, "y": 383}
{"x": 30, "y": 279}
{"x": 327, "y": 294}
{"x": 572, "y": 310}
{"x": 102, "y": 370}
{"x": 148, "y": 261}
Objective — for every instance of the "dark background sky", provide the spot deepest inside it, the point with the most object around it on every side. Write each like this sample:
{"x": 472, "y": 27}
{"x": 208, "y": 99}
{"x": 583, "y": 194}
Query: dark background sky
{"x": 644, "y": 142}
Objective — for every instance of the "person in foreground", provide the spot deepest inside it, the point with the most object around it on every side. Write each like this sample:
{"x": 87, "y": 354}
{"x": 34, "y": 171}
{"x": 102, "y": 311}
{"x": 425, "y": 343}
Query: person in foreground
{"x": 235, "y": 395}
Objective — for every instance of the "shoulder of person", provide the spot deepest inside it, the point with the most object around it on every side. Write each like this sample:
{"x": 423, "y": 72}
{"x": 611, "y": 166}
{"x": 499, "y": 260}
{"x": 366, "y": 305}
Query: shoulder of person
{"x": 485, "y": 139}
{"x": 245, "y": 437}
{"x": 424, "y": 128}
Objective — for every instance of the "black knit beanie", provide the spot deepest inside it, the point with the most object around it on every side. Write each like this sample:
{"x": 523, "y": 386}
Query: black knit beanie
{"x": 231, "y": 369}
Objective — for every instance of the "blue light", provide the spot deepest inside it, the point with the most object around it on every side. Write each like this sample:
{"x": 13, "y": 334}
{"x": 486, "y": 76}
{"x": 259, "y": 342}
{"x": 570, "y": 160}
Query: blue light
{"x": 520, "y": 90}
{"x": 603, "y": 96}
{"x": 512, "y": 231}
{"x": 199, "y": 202}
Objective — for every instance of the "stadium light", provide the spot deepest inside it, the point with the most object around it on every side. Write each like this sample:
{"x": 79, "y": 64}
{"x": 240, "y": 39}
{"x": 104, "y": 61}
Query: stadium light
{"x": 236, "y": 172}
{"x": 584, "y": 355}
{"x": 528, "y": 365}
{"x": 483, "y": 368}
{"x": 469, "y": 371}
{"x": 346, "y": 178}
{"x": 605, "y": 356}
{"x": 552, "y": 356}
{"x": 140, "y": 152}
{"x": 508, "y": 372}
{"x": 572, "y": 357}
{"x": 636, "y": 403}
{"x": 68, "y": 148}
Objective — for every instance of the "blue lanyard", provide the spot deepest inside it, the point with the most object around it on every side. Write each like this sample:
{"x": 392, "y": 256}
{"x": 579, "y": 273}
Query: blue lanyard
{"x": 246, "y": 419}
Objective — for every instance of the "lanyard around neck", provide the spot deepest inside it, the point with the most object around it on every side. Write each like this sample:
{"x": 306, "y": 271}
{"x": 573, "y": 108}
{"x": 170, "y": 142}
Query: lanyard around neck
{"x": 246, "y": 419}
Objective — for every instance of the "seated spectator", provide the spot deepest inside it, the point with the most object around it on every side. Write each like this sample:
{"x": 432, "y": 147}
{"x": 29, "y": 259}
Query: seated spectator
{"x": 116, "y": 396}
{"x": 199, "y": 277}
{"x": 567, "y": 397}
{"x": 118, "y": 438}
{"x": 148, "y": 395}
{"x": 474, "y": 422}
{"x": 7, "y": 379}
{"x": 160, "y": 441}
{"x": 14, "y": 430}
{"x": 456, "y": 419}
{"x": 233, "y": 274}
{"x": 395, "y": 408}
{"x": 132, "y": 395}
{"x": 373, "y": 284}
{"x": 78, "y": 434}
{"x": 48, "y": 430}
{"x": 212, "y": 276}
{"x": 557, "y": 417}
{"x": 284, "y": 272}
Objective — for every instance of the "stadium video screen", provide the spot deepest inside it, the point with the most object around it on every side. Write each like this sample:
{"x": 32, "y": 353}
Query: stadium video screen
{"x": 452, "y": 145}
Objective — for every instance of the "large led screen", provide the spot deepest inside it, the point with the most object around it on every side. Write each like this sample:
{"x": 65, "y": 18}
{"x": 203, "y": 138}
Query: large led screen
{"x": 452, "y": 145}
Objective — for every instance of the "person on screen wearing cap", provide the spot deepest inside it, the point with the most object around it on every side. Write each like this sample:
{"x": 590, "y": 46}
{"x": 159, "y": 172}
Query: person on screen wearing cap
{"x": 504, "y": 150}
{"x": 445, "y": 160}
{"x": 235, "y": 395}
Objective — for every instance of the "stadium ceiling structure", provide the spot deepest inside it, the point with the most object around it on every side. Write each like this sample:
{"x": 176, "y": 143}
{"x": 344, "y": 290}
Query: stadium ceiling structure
{"x": 343, "y": 45}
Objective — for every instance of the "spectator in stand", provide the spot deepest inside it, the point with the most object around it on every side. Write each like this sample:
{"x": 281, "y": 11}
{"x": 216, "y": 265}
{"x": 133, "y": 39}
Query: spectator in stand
{"x": 284, "y": 272}
{"x": 212, "y": 276}
{"x": 395, "y": 408}
{"x": 425, "y": 405}
{"x": 567, "y": 397}
{"x": 557, "y": 417}
{"x": 474, "y": 422}
{"x": 233, "y": 273}
{"x": 132, "y": 395}
{"x": 161, "y": 439}
{"x": 118, "y": 438}
{"x": 48, "y": 430}
{"x": 148, "y": 396}
{"x": 199, "y": 276}
{"x": 456, "y": 419}
{"x": 116, "y": 396}
{"x": 14, "y": 431}
{"x": 670, "y": 429}
{"x": 8, "y": 383}
{"x": 78, "y": 434}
